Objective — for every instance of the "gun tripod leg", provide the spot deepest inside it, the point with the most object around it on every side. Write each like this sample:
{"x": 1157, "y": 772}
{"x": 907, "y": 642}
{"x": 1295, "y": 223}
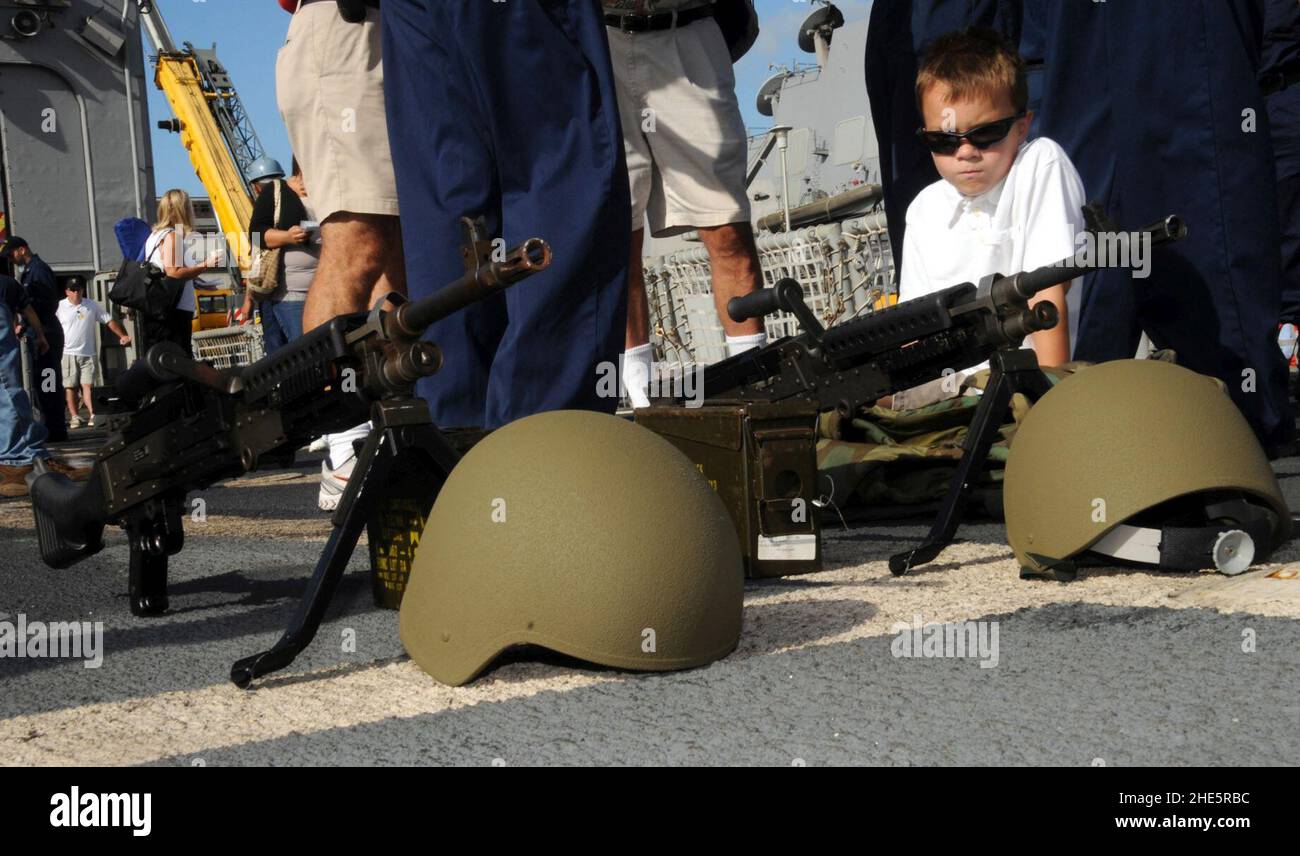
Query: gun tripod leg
{"x": 401, "y": 429}
{"x": 1012, "y": 371}
{"x": 983, "y": 431}
{"x": 369, "y": 476}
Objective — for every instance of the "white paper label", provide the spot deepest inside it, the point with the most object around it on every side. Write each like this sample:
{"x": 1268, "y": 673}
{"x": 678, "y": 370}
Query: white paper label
{"x": 787, "y": 547}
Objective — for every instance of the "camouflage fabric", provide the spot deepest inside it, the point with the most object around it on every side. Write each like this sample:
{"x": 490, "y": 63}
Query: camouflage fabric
{"x": 649, "y": 7}
{"x": 883, "y": 457}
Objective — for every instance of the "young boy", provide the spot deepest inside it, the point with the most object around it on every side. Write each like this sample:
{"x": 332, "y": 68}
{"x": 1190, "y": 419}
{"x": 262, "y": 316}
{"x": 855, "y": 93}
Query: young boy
{"x": 1003, "y": 205}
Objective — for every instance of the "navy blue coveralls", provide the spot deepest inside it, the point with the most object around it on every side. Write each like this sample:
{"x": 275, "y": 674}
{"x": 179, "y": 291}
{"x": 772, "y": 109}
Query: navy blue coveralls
{"x": 898, "y": 34}
{"x": 507, "y": 110}
{"x": 45, "y": 293}
{"x": 1279, "y": 79}
{"x": 1161, "y": 113}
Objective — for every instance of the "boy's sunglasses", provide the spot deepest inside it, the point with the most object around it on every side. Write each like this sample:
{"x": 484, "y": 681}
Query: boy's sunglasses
{"x": 981, "y": 136}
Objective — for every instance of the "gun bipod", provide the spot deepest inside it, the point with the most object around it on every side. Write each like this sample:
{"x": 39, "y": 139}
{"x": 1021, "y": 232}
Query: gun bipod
{"x": 1011, "y": 371}
{"x": 402, "y": 438}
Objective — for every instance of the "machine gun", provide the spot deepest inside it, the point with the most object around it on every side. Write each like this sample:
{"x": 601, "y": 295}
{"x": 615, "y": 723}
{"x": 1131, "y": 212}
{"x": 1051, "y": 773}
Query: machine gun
{"x": 197, "y": 426}
{"x": 860, "y": 361}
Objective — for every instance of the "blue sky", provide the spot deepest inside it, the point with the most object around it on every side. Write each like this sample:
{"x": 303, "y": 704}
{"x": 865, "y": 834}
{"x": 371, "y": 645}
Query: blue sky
{"x": 249, "y": 32}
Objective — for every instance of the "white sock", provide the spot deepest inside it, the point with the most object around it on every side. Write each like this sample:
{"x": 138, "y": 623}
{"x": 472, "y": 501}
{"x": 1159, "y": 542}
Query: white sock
{"x": 740, "y": 344}
{"x": 636, "y": 374}
{"x": 341, "y": 447}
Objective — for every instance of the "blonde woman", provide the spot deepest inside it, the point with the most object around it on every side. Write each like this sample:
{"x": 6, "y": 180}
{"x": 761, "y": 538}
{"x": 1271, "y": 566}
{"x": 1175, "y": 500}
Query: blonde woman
{"x": 166, "y": 248}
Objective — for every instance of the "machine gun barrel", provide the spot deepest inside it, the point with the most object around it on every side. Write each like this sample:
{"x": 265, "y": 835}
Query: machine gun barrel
{"x": 1026, "y": 285}
{"x": 524, "y": 260}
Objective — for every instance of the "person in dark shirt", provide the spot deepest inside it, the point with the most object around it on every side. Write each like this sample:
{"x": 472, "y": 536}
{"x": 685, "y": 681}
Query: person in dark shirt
{"x": 22, "y": 439}
{"x": 1279, "y": 82}
{"x": 297, "y": 236}
{"x": 1152, "y": 135}
{"x": 13, "y": 297}
{"x": 45, "y": 293}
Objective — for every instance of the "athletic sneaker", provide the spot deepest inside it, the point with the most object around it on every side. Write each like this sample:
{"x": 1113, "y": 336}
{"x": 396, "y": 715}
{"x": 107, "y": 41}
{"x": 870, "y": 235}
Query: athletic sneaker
{"x": 320, "y": 444}
{"x": 75, "y": 422}
{"x": 90, "y": 423}
{"x": 333, "y": 481}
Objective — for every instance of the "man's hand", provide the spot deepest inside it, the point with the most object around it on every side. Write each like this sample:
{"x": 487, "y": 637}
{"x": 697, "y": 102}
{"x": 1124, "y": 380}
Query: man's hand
{"x": 124, "y": 340}
{"x": 42, "y": 346}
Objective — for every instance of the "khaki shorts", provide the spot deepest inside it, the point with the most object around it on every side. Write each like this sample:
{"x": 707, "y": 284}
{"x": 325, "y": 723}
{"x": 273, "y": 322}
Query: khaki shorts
{"x": 79, "y": 370}
{"x": 329, "y": 83}
{"x": 686, "y": 157}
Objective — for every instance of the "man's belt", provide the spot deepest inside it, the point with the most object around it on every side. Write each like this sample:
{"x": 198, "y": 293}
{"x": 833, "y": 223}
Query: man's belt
{"x": 661, "y": 21}
{"x": 1283, "y": 78}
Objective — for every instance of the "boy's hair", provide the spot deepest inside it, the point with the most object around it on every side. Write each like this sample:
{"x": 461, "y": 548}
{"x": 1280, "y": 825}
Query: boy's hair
{"x": 972, "y": 62}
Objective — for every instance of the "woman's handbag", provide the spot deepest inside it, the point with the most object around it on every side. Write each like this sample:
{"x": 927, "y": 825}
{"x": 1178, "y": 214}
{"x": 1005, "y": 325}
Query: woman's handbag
{"x": 264, "y": 274}
{"x": 144, "y": 287}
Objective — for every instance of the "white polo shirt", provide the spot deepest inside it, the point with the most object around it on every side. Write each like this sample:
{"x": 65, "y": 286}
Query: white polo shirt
{"x": 1030, "y": 219}
{"x": 79, "y": 323}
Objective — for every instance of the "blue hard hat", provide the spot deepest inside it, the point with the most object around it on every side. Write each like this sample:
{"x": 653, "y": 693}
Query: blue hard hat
{"x": 265, "y": 168}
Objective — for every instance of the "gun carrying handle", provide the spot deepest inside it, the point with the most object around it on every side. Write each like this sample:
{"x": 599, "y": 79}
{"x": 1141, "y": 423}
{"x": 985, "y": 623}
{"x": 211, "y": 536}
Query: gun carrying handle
{"x": 756, "y": 304}
{"x": 786, "y": 295}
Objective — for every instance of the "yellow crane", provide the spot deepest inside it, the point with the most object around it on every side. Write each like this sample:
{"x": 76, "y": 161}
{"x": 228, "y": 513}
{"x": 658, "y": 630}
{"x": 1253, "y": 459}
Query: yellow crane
{"x": 213, "y": 126}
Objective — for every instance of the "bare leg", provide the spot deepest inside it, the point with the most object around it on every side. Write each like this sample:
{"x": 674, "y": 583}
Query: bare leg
{"x": 70, "y": 395}
{"x": 88, "y": 399}
{"x": 361, "y": 254}
{"x": 393, "y": 277}
{"x": 638, "y": 309}
{"x": 736, "y": 271}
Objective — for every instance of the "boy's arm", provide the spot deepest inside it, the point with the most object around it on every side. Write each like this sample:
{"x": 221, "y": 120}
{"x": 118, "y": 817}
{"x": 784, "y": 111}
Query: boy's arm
{"x": 1052, "y": 347}
{"x": 1052, "y": 230}
{"x": 1054, "y": 221}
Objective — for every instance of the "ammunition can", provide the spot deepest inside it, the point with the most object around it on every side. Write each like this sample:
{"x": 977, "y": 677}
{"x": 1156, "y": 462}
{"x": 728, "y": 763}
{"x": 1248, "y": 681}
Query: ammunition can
{"x": 761, "y": 458}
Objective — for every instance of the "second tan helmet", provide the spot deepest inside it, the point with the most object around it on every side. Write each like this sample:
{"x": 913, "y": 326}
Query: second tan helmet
{"x": 1143, "y": 461}
{"x": 581, "y": 533}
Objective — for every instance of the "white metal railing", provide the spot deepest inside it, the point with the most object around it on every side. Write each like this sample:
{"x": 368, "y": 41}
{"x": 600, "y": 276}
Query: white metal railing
{"x": 846, "y": 269}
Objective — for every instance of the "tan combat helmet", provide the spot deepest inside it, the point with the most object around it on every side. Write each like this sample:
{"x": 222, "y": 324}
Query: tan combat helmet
{"x": 582, "y": 533}
{"x": 1143, "y": 461}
